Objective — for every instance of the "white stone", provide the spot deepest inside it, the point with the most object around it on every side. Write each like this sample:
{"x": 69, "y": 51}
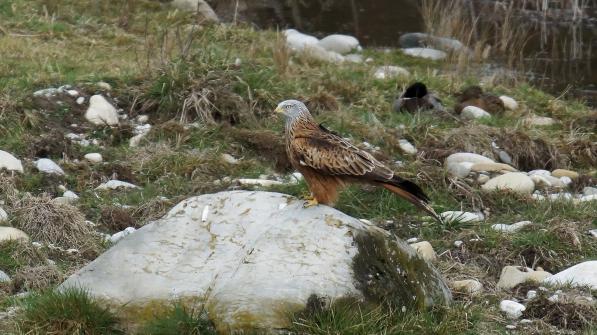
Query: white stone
{"x": 473, "y": 112}
{"x": 510, "y": 228}
{"x": 10, "y": 162}
{"x": 3, "y": 215}
{"x": 407, "y": 147}
{"x": 229, "y": 159}
{"x": 458, "y": 243}
{"x": 73, "y": 93}
{"x": 566, "y": 180}
{"x": 297, "y": 176}
{"x": 115, "y": 184}
{"x": 589, "y": 191}
{"x": 531, "y": 294}
{"x": 492, "y": 167}
{"x": 464, "y": 217}
{"x": 389, "y": 72}
{"x": 467, "y": 157}
{"x": 517, "y": 182}
{"x": 94, "y": 157}
{"x": 510, "y": 327}
{"x": 563, "y": 196}
{"x": 425, "y": 250}
{"x": 460, "y": 169}
{"x": 512, "y": 309}
{"x": 70, "y": 194}
{"x": 142, "y": 118}
{"x": 251, "y": 260}
{"x": 4, "y": 278}
{"x": 509, "y": 103}
{"x": 585, "y": 198}
{"x": 482, "y": 179}
{"x": 543, "y": 181}
{"x": 412, "y": 240}
{"x": 104, "y": 86}
{"x": 80, "y": 100}
{"x": 539, "y": 172}
{"x": 341, "y": 44}
{"x": 583, "y": 274}
{"x": 64, "y": 200}
{"x": 321, "y": 54}
{"x": 48, "y": 166}
{"x": 354, "y": 58}
{"x": 136, "y": 140}
{"x": 101, "y": 112}
{"x": 121, "y": 234}
{"x": 298, "y": 41}
{"x": 470, "y": 286}
{"x": 593, "y": 232}
{"x": 536, "y": 196}
{"x": 259, "y": 182}
{"x": 512, "y": 276}
{"x": 426, "y": 53}
{"x": 535, "y": 120}
{"x": 10, "y": 233}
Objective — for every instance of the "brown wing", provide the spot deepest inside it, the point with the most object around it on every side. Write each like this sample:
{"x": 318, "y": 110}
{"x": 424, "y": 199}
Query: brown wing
{"x": 330, "y": 154}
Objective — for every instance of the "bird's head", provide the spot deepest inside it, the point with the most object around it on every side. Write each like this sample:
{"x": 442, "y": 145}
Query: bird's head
{"x": 292, "y": 109}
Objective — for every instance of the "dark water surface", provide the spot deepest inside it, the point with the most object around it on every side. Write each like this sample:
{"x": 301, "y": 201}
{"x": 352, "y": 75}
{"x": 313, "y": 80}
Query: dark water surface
{"x": 559, "y": 54}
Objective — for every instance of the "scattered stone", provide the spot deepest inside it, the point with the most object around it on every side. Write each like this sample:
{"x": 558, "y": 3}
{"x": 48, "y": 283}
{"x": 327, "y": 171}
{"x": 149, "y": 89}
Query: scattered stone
{"x": 321, "y": 54}
{"x": 589, "y": 191}
{"x": 531, "y": 294}
{"x": 458, "y": 243}
{"x": 512, "y": 276}
{"x": 407, "y": 147}
{"x": 461, "y": 157}
{"x": 258, "y": 182}
{"x": 70, "y": 194}
{"x": 426, "y": 53}
{"x": 510, "y": 327}
{"x": 101, "y": 112}
{"x": 121, "y": 234}
{"x": 460, "y": 170}
{"x": 49, "y": 92}
{"x": 593, "y": 232}
{"x": 558, "y": 173}
{"x": 104, "y": 86}
{"x": 566, "y": 180}
{"x": 482, "y": 179}
{"x": 415, "y": 40}
{"x": 535, "y": 120}
{"x": 464, "y": 217}
{"x": 229, "y": 159}
{"x": 342, "y": 44}
{"x": 473, "y": 112}
{"x": 492, "y": 167}
{"x": 10, "y": 162}
{"x": 4, "y": 278}
{"x": 143, "y": 118}
{"x": 354, "y": 58}
{"x": 509, "y": 103}
{"x": 80, "y": 100}
{"x": 563, "y": 196}
{"x": 539, "y": 172}
{"x": 10, "y": 233}
{"x": 298, "y": 41}
{"x": 425, "y": 250}
{"x": 517, "y": 182}
{"x": 470, "y": 286}
{"x": 3, "y": 215}
{"x": 251, "y": 257}
{"x": 115, "y": 184}
{"x": 48, "y": 166}
{"x": 504, "y": 157}
{"x": 512, "y": 309}
{"x": 412, "y": 240}
{"x": 389, "y": 72}
{"x": 64, "y": 200}
{"x": 140, "y": 132}
{"x": 585, "y": 198}
{"x": 511, "y": 228}
{"x": 94, "y": 157}
{"x": 583, "y": 274}
{"x": 542, "y": 181}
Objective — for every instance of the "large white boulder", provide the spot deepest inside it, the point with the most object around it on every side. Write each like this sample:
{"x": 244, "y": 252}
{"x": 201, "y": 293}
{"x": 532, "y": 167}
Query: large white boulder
{"x": 10, "y": 233}
{"x": 583, "y": 274}
{"x": 342, "y": 44}
{"x": 101, "y": 112}
{"x": 254, "y": 257}
{"x": 517, "y": 182}
{"x": 48, "y": 166}
{"x": 473, "y": 112}
{"x": 426, "y": 53}
{"x": 10, "y": 162}
{"x": 461, "y": 163}
{"x": 298, "y": 41}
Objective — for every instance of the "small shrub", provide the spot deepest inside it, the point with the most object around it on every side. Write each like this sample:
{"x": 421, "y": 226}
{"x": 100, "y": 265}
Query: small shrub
{"x": 72, "y": 311}
{"x": 179, "y": 320}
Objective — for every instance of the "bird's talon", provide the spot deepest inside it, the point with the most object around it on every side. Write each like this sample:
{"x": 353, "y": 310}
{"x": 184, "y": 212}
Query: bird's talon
{"x": 310, "y": 203}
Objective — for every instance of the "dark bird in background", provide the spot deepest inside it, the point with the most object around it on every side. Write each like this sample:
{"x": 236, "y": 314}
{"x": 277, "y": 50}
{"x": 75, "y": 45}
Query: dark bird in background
{"x": 474, "y": 96}
{"x": 417, "y": 98}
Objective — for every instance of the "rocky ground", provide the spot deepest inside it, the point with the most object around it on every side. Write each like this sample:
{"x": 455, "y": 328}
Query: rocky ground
{"x": 113, "y": 112}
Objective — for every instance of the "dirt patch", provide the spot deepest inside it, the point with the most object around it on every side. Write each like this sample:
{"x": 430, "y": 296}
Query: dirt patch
{"x": 268, "y": 145}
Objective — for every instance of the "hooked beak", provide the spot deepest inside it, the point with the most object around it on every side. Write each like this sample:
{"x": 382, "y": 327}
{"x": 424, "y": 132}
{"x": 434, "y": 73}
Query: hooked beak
{"x": 279, "y": 110}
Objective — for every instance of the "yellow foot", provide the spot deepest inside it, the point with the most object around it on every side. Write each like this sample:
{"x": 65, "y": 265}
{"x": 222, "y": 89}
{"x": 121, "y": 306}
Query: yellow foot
{"x": 310, "y": 203}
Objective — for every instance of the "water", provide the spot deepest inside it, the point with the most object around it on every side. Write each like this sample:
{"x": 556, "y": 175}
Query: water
{"x": 558, "y": 55}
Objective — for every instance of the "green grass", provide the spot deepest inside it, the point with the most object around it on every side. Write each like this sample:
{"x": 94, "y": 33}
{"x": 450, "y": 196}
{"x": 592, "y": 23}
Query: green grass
{"x": 71, "y": 311}
{"x": 178, "y": 320}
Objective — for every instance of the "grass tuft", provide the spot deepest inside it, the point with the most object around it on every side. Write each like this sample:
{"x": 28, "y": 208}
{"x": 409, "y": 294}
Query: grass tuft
{"x": 179, "y": 320}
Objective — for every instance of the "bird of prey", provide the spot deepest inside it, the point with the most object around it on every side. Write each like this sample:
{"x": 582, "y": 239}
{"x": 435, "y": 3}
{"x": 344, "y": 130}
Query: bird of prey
{"x": 329, "y": 162}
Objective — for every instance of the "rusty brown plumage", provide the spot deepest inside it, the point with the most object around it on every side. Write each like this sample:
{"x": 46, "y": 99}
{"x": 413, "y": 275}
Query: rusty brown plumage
{"x": 328, "y": 162}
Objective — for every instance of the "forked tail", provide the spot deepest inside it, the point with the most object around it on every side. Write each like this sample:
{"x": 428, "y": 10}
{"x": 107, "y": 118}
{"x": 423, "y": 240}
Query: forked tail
{"x": 412, "y": 193}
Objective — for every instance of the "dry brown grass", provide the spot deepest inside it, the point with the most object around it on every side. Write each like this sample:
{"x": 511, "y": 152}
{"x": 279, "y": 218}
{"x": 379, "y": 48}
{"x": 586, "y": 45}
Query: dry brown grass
{"x": 116, "y": 219}
{"x": 563, "y": 314}
{"x": 36, "y": 278}
{"x": 49, "y": 222}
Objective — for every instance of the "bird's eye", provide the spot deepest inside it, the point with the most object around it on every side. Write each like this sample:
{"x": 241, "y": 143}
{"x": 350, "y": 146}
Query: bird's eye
{"x": 287, "y": 107}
